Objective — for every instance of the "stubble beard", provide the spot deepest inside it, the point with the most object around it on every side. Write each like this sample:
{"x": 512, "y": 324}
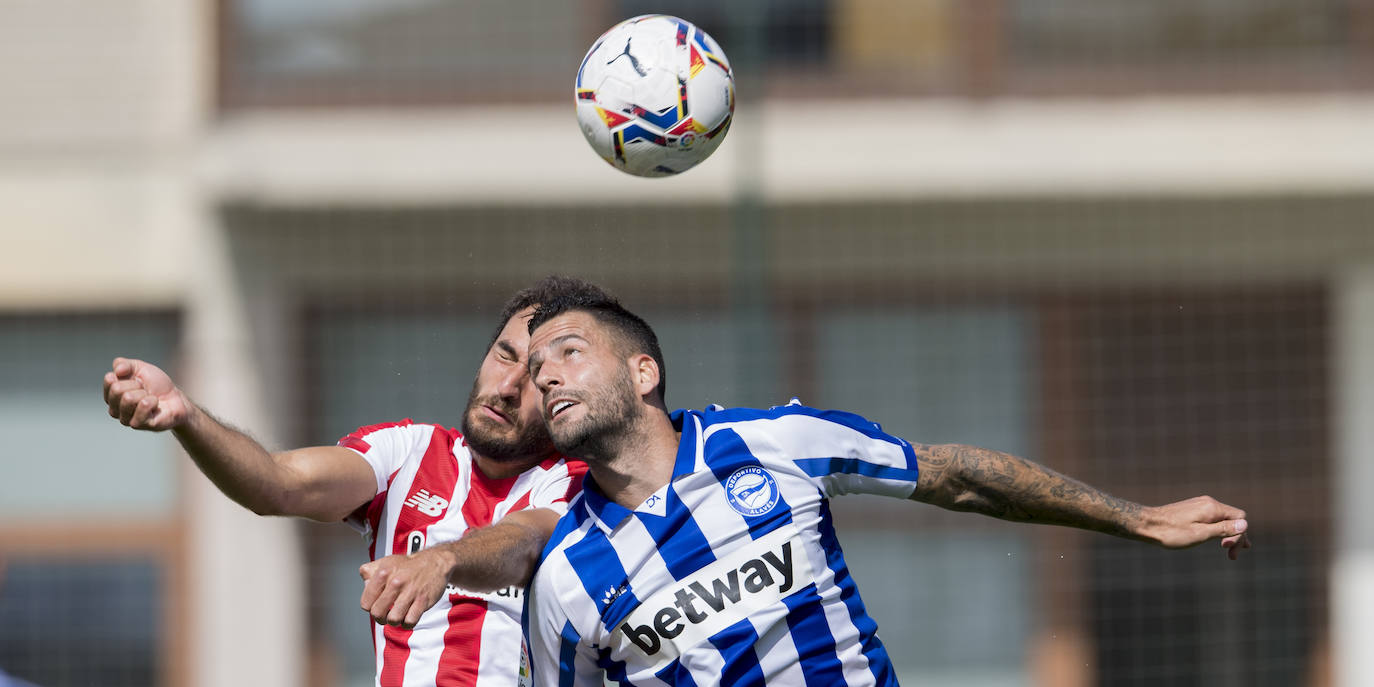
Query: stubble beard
{"x": 611, "y": 412}
{"x": 488, "y": 438}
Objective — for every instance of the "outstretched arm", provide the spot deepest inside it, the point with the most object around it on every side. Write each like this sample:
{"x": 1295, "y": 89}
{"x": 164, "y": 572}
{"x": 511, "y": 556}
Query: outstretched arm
{"x": 978, "y": 480}
{"x": 323, "y": 483}
{"x": 397, "y": 589}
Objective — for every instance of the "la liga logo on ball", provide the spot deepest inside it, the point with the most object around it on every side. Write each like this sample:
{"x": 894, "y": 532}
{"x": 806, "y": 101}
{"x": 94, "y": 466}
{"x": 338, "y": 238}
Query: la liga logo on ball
{"x": 751, "y": 490}
{"x": 654, "y": 95}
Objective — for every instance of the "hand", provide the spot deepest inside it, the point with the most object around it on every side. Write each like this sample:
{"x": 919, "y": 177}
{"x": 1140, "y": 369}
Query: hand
{"x": 398, "y": 589}
{"x": 142, "y": 396}
{"x": 1191, "y": 522}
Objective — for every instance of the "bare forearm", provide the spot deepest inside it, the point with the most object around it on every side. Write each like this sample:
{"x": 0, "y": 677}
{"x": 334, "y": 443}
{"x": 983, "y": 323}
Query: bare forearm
{"x": 978, "y": 480}
{"x": 320, "y": 482}
{"x": 398, "y": 589}
{"x": 237, "y": 464}
{"x": 499, "y": 556}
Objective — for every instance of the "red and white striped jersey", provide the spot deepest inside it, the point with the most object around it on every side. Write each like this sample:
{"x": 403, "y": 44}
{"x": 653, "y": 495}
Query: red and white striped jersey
{"x": 428, "y": 490}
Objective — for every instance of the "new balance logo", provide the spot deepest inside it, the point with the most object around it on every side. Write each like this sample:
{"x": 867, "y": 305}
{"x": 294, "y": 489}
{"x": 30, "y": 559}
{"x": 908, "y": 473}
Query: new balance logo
{"x": 716, "y": 596}
{"x": 427, "y": 503}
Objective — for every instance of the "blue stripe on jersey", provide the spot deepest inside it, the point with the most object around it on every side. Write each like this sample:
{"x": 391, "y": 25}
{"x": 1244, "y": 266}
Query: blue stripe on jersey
{"x": 602, "y": 576}
{"x": 729, "y": 453}
{"x": 615, "y": 670}
{"x": 878, "y": 662}
{"x": 822, "y": 467}
{"x": 610, "y": 513}
{"x": 736, "y": 646}
{"x": 567, "y": 655}
{"x": 857, "y": 423}
{"x": 675, "y": 674}
{"x": 577, "y": 514}
{"x": 815, "y": 644}
{"x": 686, "y": 461}
{"x": 681, "y": 544}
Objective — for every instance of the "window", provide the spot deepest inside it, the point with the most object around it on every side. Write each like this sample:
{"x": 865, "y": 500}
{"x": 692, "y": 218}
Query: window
{"x": 88, "y": 508}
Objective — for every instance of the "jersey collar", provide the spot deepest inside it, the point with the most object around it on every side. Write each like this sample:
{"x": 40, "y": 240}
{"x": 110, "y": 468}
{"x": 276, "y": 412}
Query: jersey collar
{"x": 608, "y": 514}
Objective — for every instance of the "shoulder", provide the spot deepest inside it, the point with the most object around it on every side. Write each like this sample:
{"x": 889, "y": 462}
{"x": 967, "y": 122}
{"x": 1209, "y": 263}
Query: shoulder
{"x": 363, "y": 438}
{"x": 782, "y": 416}
{"x": 394, "y": 443}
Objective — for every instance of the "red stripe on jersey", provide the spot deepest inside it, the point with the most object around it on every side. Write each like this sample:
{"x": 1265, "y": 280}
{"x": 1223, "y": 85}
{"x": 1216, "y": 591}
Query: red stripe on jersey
{"x": 426, "y": 503}
{"x": 550, "y": 462}
{"x": 484, "y": 493}
{"x": 577, "y": 470}
{"x": 356, "y": 440}
{"x": 394, "y": 656}
{"x": 355, "y": 443}
{"x": 430, "y": 491}
{"x": 462, "y": 643}
{"x": 520, "y": 504}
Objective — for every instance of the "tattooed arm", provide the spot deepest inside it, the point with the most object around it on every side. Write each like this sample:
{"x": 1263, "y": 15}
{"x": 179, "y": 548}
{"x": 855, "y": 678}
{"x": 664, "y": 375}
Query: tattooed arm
{"x": 977, "y": 480}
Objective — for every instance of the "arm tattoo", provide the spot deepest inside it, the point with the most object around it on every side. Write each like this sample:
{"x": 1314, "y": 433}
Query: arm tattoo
{"x": 968, "y": 478}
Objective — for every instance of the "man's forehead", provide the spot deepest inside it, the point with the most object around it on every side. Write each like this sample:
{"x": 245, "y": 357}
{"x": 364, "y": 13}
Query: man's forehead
{"x": 514, "y": 337}
{"x": 574, "y": 323}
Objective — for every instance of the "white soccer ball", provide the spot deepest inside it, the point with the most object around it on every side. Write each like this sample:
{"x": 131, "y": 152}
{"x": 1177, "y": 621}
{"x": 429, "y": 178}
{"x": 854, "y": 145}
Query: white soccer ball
{"x": 654, "y": 95}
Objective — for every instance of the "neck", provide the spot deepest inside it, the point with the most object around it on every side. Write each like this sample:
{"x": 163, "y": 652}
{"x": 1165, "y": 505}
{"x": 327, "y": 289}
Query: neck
{"x": 503, "y": 469}
{"x": 639, "y": 463}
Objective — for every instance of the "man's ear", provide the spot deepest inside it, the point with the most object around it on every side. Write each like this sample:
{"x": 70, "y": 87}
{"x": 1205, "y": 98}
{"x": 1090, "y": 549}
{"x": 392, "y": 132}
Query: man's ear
{"x": 645, "y": 373}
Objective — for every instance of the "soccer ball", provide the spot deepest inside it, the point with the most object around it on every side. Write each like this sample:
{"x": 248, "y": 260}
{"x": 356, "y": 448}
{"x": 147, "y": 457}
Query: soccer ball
{"x": 654, "y": 95}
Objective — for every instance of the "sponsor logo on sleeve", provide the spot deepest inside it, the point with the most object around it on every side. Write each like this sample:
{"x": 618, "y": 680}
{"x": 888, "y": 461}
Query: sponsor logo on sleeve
{"x": 733, "y": 588}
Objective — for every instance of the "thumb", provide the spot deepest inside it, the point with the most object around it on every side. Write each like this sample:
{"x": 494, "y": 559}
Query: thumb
{"x": 1230, "y": 528}
{"x": 122, "y": 367}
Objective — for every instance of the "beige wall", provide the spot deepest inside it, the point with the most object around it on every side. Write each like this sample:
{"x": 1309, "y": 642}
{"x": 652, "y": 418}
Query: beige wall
{"x": 100, "y": 111}
{"x": 103, "y": 109}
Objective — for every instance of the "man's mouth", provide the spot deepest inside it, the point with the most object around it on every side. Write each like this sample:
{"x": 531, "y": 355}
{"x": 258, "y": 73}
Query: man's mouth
{"x": 557, "y": 406}
{"x": 496, "y": 414}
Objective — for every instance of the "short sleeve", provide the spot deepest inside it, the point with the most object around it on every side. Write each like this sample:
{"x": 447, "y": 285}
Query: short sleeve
{"x": 387, "y": 446}
{"x": 842, "y": 453}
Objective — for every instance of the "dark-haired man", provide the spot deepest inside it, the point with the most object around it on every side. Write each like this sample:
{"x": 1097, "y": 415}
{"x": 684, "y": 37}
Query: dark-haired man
{"x": 701, "y": 550}
{"x": 445, "y": 583}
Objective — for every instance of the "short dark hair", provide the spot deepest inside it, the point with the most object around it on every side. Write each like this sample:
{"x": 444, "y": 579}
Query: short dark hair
{"x": 545, "y": 289}
{"x": 631, "y": 333}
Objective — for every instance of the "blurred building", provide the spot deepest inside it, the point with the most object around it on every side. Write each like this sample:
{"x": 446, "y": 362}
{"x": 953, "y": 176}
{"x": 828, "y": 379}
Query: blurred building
{"x": 1132, "y": 241}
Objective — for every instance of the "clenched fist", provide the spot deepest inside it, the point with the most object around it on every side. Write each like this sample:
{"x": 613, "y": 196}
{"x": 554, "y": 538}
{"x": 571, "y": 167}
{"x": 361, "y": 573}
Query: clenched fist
{"x": 398, "y": 589}
{"x": 142, "y": 396}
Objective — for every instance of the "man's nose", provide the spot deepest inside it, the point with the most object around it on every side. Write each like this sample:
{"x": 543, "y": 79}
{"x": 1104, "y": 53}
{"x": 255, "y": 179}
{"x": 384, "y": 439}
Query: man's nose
{"x": 547, "y": 379}
{"x": 512, "y": 381}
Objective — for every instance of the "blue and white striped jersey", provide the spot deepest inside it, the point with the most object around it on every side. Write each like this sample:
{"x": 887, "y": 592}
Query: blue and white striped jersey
{"x": 731, "y": 574}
